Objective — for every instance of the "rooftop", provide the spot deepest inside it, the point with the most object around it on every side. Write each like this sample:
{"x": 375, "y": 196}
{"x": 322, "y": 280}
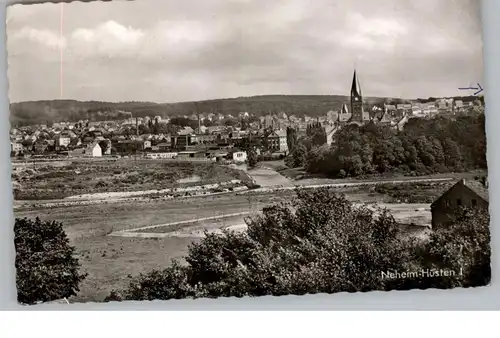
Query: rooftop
{"x": 478, "y": 188}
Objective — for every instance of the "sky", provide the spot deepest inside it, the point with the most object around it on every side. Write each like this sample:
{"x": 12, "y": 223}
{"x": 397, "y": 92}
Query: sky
{"x": 186, "y": 50}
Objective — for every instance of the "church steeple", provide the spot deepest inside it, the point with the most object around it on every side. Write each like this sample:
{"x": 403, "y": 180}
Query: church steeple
{"x": 355, "y": 88}
{"x": 357, "y": 113}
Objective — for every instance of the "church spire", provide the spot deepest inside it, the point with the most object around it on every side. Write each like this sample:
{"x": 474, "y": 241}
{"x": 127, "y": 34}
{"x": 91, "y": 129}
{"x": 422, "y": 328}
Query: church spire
{"x": 355, "y": 88}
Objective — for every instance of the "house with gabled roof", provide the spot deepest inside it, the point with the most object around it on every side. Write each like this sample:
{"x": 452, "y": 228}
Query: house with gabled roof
{"x": 385, "y": 119}
{"x": 463, "y": 194}
{"x": 277, "y": 141}
{"x": 344, "y": 115}
{"x": 93, "y": 150}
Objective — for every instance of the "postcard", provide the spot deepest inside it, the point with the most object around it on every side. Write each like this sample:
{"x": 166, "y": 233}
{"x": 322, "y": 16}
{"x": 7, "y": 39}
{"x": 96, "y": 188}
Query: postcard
{"x": 229, "y": 148}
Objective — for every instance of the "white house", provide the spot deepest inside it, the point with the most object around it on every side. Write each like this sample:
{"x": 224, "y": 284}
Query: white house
{"x": 63, "y": 141}
{"x": 93, "y": 150}
{"x": 240, "y": 156}
{"x": 155, "y": 156}
{"x": 16, "y": 147}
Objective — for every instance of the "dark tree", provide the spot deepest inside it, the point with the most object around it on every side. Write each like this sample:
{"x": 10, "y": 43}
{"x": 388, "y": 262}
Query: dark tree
{"x": 252, "y": 158}
{"x": 46, "y": 267}
{"x": 291, "y": 138}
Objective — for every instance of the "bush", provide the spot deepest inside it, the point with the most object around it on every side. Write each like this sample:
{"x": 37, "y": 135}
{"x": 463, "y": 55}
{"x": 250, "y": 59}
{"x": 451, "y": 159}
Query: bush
{"x": 461, "y": 247}
{"x": 101, "y": 184}
{"x": 320, "y": 242}
{"x": 46, "y": 268}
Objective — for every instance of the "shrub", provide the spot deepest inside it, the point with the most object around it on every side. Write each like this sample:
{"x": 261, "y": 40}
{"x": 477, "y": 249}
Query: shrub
{"x": 318, "y": 243}
{"x": 461, "y": 247}
{"x": 101, "y": 184}
{"x": 46, "y": 267}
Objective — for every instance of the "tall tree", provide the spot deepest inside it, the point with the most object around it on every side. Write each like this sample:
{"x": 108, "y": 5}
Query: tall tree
{"x": 46, "y": 267}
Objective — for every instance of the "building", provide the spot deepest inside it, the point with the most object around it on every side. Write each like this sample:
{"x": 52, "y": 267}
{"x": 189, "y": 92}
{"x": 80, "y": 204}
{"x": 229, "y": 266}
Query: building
{"x": 416, "y": 110}
{"x": 356, "y": 101}
{"x": 93, "y": 150}
{"x": 162, "y": 147}
{"x": 385, "y": 119}
{"x": 332, "y": 116}
{"x": 16, "y": 148}
{"x": 106, "y": 146}
{"x": 62, "y": 141}
{"x": 390, "y": 108}
{"x": 239, "y": 156}
{"x": 277, "y": 141}
{"x": 180, "y": 142}
{"x": 465, "y": 193}
{"x": 330, "y": 131}
{"x": 125, "y": 147}
{"x": 156, "y": 156}
{"x": 204, "y": 138}
{"x": 188, "y": 154}
{"x": 358, "y": 114}
{"x": 41, "y": 146}
{"x": 344, "y": 115}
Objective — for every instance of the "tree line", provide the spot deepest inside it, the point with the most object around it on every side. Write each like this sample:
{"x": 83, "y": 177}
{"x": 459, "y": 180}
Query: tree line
{"x": 423, "y": 147}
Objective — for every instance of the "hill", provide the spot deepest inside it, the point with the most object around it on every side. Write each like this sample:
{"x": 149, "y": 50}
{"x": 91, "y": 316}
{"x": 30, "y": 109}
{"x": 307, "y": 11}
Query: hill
{"x": 42, "y": 112}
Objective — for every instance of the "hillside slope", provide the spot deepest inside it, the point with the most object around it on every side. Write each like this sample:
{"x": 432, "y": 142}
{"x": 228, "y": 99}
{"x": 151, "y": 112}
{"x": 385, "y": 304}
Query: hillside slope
{"x": 40, "y": 112}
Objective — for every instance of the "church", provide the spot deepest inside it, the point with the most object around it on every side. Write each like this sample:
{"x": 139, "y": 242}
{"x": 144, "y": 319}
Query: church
{"x": 358, "y": 114}
{"x": 355, "y": 112}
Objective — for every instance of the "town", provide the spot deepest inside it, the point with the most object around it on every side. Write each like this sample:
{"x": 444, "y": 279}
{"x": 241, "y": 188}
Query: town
{"x": 219, "y": 137}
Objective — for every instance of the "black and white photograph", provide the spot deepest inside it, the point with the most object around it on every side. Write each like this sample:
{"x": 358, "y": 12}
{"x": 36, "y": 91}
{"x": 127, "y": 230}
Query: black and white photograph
{"x": 183, "y": 149}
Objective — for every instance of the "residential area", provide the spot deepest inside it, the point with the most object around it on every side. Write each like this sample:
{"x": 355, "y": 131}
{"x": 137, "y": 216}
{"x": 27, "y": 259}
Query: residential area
{"x": 209, "y": 136}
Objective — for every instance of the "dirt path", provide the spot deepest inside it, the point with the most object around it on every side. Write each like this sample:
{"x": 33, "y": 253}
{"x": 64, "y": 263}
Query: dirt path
{"x": 345, "y": 184}
{"x": 419, "y": 214}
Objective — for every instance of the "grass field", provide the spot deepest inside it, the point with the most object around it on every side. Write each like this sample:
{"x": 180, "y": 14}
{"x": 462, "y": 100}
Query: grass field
{"x": 58, "y": 180}
{"x": 109, "y": 260}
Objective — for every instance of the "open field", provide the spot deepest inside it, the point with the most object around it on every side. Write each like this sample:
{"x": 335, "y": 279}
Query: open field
{"x": 57, "y": 180}
{"x": 110, "y": 259}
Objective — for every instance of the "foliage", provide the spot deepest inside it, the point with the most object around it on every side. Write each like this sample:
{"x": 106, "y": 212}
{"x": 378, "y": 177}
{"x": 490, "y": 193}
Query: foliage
{"x": 46, "y": 267}
{"x": 252, "y": 158}
{"x": 462, "y": 248}
{"x": 416, "y": 192}
{"x": 423, "y": 147}
{"x": 291, "y": 138}
{"x": 317, "y": 134}
{"x": 298, "y": 157}
{"x": 320, "y": 242}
